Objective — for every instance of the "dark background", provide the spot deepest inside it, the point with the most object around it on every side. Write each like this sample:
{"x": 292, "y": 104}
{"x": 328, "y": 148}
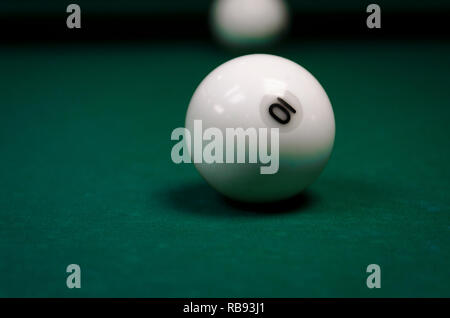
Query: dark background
{"x": 183, "y": 20}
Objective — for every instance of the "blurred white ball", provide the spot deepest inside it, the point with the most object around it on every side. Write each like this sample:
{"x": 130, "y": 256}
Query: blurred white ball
{"x": 246, "y": 23}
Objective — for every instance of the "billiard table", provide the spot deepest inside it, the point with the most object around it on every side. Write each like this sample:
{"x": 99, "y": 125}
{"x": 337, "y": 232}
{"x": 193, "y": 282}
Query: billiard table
{"x": 86, "y": 176}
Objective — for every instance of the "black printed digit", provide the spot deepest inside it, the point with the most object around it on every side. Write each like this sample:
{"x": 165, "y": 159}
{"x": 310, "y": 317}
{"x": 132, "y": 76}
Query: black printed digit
{"x": 285, "y": 108}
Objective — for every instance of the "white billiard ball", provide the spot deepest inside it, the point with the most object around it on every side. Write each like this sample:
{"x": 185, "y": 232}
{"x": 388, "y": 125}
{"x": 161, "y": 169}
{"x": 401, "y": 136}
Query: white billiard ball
{"x": 246, "y": 23}
{"x": 265, "y": 91}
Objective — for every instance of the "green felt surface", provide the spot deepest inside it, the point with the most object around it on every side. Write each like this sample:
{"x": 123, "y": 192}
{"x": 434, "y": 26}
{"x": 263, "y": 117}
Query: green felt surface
{"x": 86, "y": 178}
